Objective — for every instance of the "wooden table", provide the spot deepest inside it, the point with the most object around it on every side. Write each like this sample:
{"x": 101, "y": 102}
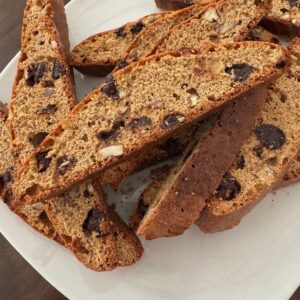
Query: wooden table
{"x": 18, "y": 279}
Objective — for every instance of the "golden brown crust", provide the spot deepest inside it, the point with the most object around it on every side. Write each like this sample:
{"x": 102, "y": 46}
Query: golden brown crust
{"x": 201, "y": 174}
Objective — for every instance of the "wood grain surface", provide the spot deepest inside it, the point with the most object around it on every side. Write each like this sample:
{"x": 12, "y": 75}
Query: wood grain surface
{"x": 18, "y": 279}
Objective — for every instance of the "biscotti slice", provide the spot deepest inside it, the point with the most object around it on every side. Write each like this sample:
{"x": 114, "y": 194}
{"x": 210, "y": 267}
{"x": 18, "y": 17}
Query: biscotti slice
{"x": 283, "y": 17}
{"x": 95, "y": 233}
{"x": 265, "y": 157}
{"x": 224, "y": 21}
{"x": 7, "y": 161}
{"x": 43, "y": 92}
{"x": 171, "y": 147}
{"x": 140, "y": 105}
{"x": 99, "y": 54}
{"x": 182, "y": 196}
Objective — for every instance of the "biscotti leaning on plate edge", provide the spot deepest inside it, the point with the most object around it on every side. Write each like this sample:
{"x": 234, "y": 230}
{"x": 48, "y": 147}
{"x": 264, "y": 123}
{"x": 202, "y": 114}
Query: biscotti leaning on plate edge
{"x": 107, "y": 236}
{"x": 119, "y": 120}
{"x": 244, "y": 18}
{"x": 182, "y": 195}
{"x": 266, "y": 156}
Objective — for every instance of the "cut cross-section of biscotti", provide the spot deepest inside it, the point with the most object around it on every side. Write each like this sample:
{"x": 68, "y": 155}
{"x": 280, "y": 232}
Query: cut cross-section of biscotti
{"x": 7, "y": 169}
{"x": 183, "y": 194}
{"x": 43, "y": 92}
{"x": 88, "y": 227}
{"x": 283, "y": 17}
{"x": 172, "y": 147}
{"x": 142, "y": 104}
{"x": 266, "y": 155}
{"x": 293, "y": 173}
{"x": 99, "y": 54}
{"x": 224, "y": 21}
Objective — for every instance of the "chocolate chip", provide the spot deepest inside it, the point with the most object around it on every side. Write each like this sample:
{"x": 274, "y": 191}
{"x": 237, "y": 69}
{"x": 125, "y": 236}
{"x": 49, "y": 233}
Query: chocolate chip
{"x": 241, "y": 72}
{"x": 171, "y": 146}
{"x": 139, "y": 122}
{"x": 122, "y": 64}
{"x": 48, "y": 110}
{"x": 142, "y": 208}
{"x": 270, "y": 136}
{"x": 43, "y": 161}
{"x": 92, "y": 221}
{"x": 58, "y": 70}
{"x": 35, "y": 72}
{"x": 120, "y": 32}
{"x": 258, "y": 152}
{"x": 281, "y": 64}
{"x": 38, "y": 138}
{"x": 172, "y": 120}
{"x": 110, "y": 89}
{"x": 5, "y": 178}
{"x": 64, "y": 164}
{"x": 228, "y": 188}
{"x": 137, "y": 28}
{"x": 112, "y": 134}
{"x": 240, "y": 163}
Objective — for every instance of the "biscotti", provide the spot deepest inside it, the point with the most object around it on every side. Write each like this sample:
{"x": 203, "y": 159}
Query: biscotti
{"x": 224, "y": 21}
{"x": 283, "y": 17}
{"x": 87, "y": 226}
{"x": 99, "y": 54}
{"x": 167, "y": 149}
{"x": 178, "y": 4}
{"x": 7, "y": 169}
{"x": 293, "y": 173}
{"x": 264, "y": 159}
{"x": 140, "y": 105}
{"x": 183, "y": 194}
{"x": 43, "y": 76}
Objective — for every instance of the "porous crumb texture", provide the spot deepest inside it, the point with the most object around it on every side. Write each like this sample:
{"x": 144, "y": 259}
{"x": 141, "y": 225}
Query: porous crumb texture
{"x": 266, "y": 156}
{"x": 7, "y": 169}
{"x": 99, "y": 54}
{"x": 146, "y": 42}
{"x": 141, "y": 104}
{"x": 182, "y": 196}
{"x": 99, "y": 239}
{"x": 284, "y": 17}
{"x": 43, "y": 91}
{"x": 164, "y": 150}
{"x": 224, "y": 21}
{"x": 82, "y": 220}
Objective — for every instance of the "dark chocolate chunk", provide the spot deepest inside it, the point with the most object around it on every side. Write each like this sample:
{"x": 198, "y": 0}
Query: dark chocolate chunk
{"x": 172, "y": 120}
{"x": 5, "y": 178}
{"x": 38, "y": 138}
{"x": 171, "y": 146}
{"x": 270, "y": 136}
{"x": 139, "y": 122}
{"x": 241, "y": 72}
{"x": 142, "y": 208}
{"x": 281, "y": 64}
{"x": 112, "y": 134}
{"x": 137, "y": 28}
{"x": 58, "y": 70}
{"x": 120, "y": 32}
{"x": 35, "y": 73}
{"x": 64, "y": 164}
{"x": 258, "y": 151}
{"x": 48, "y": 110}
{"x": 92, "y": 221}
{"x": 228, "y": 188}
{"x": 240, "y": 163}
{"x": 42, "y": 161}
{"x": 110, "y": 89}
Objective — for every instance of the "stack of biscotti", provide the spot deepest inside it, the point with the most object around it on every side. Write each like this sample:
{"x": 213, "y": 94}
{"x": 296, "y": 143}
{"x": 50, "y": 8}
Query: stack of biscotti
{"x": 139, "y": 106}
{"x": 181, "y": 195}
{"x": 44, "y": 77}
{"x": 148, "y": 40}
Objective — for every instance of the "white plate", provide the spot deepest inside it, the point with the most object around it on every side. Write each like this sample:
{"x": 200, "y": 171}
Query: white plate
{"x": 257, "y": 260}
